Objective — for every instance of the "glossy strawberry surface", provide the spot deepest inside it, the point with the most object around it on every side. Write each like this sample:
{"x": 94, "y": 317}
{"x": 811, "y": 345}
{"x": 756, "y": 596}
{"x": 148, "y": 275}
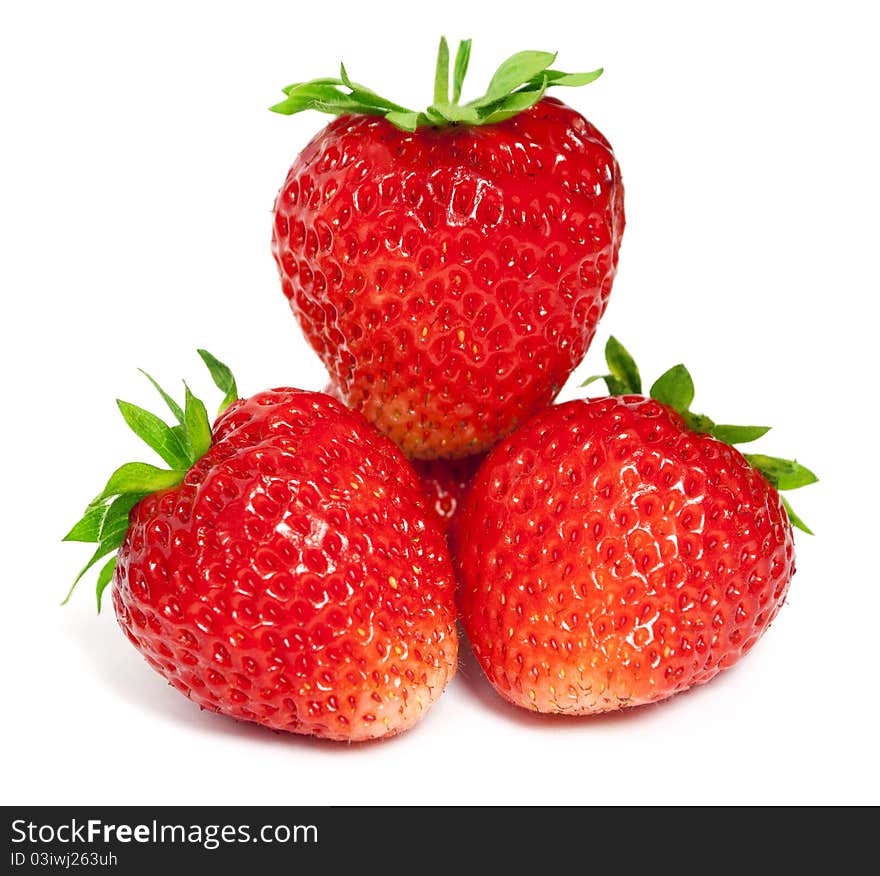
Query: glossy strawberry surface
{"x": 296, "y": 577}
{"x": 609, "y": 557}
{"x": 451, "y": 278}
{"x": 446, "y": 483}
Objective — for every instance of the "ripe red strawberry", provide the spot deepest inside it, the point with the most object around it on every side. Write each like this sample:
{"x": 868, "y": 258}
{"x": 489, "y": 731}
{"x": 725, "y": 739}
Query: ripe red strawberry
{"x": 446, "y": 483}
{"x": 615, "y": 551}
{"x": 450, "y": 266}
{"x": 286, "y": 571}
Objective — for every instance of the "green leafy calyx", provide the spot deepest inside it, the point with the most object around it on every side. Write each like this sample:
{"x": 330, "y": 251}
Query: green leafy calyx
{"x": 623, "y": 377}
{"x": 520, "y": 82}
{"x": 105, "y": 520}
{"x": 675, "y": 389}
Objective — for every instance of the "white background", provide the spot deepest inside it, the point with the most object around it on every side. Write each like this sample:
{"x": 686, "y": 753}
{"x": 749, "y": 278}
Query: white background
{"x": 138, "y": 173}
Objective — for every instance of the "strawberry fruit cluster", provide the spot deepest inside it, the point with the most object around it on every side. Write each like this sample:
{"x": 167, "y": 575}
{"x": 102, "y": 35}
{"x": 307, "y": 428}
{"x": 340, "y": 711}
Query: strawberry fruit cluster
{"x": 303, "y": 561}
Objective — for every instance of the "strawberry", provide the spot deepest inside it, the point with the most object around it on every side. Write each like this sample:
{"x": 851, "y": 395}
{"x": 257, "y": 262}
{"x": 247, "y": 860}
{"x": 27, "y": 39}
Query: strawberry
{"x": 446, "y": 483}
{"x": 615, "y": 551}
{"x": 450, "y": 266}
{"x": 285, "y": 570}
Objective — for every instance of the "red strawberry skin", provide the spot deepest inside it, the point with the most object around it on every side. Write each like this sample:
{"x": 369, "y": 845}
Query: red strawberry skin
{"x": 295, "y": 578}
{"x": 446, "y": 483}
{"x": 609, "y": 557}
{"x": 451, "y": 279}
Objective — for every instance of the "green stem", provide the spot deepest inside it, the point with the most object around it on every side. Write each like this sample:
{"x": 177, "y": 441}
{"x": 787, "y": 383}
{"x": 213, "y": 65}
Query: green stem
{"x": 441, "y": 75}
